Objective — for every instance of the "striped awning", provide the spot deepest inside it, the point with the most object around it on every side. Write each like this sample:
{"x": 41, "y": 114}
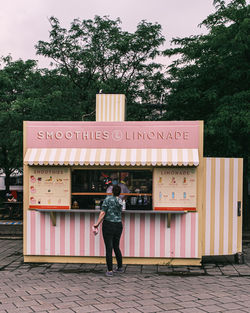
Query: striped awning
{"x": 144, "y": 157}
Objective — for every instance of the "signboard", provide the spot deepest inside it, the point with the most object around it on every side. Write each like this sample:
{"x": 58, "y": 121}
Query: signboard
{"x": 174, "y": 189}
{"x": 132, "y": 135}
{"x": 49, "y": 188}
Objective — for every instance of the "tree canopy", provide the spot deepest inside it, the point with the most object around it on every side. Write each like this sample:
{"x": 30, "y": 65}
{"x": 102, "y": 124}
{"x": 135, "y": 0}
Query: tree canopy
{"x": 210, "y": 79}
{"x": 27, "y": 93}
{"x": 98, "y": 55}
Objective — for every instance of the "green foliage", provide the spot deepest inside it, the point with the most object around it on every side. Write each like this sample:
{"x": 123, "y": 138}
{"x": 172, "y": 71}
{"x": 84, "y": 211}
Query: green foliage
{"x": 27, "y": 93}
{"x": 210, "y": 79}
{"x": 98, "y": 55}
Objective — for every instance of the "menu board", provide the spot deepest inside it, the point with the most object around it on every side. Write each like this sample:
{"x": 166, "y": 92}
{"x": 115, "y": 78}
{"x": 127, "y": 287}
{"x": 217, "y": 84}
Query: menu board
{"x": 174, "y": 189}
{"x": 49, "y": 188}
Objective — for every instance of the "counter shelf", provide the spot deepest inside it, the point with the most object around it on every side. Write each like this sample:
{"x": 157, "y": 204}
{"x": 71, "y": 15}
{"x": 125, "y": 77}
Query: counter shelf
{"x": 108, "y": 194}
{"x": 89, "y": 204}
{"x": 54, "y": 211}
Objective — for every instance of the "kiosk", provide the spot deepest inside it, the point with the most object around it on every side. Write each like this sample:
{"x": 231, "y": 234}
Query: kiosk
{"x": 179, "y": 206}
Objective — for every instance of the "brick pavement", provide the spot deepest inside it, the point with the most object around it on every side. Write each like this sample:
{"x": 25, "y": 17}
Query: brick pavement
{"x": 214, "y": 287}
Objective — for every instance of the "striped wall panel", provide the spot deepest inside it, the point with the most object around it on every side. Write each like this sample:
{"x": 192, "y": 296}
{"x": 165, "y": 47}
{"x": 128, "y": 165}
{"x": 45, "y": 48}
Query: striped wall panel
{"x": 144, "y": 235}
{"x": 222, "y": 228}
{"x": 110, "y": 108}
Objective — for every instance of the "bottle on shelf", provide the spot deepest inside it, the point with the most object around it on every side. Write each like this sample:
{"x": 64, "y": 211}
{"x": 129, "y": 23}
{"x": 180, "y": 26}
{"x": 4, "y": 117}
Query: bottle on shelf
{"x": 123, "y": 205}
{"x": 140, "y": 200}
{"x": 75, "y": 205}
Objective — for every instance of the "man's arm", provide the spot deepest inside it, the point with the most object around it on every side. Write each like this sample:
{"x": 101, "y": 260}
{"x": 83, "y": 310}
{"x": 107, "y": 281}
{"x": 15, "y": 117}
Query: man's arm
{"x": 100, "y": 219}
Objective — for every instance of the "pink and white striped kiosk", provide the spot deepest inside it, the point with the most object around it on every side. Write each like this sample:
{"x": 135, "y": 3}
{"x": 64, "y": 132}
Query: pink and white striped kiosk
{"x": 179, "y": 205}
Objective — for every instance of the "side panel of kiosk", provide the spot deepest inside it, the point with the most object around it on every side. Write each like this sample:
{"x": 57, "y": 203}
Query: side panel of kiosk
{"x": 222, "y": 216}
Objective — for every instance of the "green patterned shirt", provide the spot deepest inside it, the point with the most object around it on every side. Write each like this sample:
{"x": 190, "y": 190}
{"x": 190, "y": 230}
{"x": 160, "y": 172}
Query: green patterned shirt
{"x": 112, "y": 206}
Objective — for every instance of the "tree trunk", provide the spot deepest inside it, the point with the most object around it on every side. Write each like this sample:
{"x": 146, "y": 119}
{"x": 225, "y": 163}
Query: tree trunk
{"x": 7, "y": 181}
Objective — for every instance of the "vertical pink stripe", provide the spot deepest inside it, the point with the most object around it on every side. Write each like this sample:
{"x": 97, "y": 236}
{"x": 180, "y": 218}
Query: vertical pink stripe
{"x": 142, "y": 235}
{"x": 72, "y": 234}
{"x": 52, "y": 239}
{"x": 82, "y": 229}
{"x": 42, "y": 229}
{"x": 162, "y": 235}
{"x": 172, "y": 236}
{"x": 152, "y": 236}
{"x": 193, "y": 215}
{"x": 183, "y": 236}
{"x": 132, "y": 236}
{"x": 32, "y": 232}
{"x": 102, "y": 250}
{"x": 122, "y": 242}
{"x": 62, "y": 234}
{"x": 91, "y": 235}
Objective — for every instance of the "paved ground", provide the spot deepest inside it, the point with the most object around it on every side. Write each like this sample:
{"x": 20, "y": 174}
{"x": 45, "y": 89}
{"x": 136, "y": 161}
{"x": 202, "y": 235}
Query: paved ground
{"x": 217, "y": 286}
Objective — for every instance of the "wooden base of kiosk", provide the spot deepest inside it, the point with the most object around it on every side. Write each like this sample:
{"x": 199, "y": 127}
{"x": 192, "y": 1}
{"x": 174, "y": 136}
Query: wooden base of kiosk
{"x": 102, "y": 260}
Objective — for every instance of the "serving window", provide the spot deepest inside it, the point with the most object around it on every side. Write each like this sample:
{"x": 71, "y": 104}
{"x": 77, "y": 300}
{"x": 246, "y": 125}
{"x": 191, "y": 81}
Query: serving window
{"x": 90, "y": 187}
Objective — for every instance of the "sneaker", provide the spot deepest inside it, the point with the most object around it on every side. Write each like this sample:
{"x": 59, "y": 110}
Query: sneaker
{"x": 109, "y": 274}
{"x": 119, "y": 270}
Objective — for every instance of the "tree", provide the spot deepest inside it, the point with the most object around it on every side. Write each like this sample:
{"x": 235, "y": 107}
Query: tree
{"x": 27, "y": 93}
{"x": 98, "y": 55}
{"x": 15, "y": 79}
{"x": 210, "y": 81}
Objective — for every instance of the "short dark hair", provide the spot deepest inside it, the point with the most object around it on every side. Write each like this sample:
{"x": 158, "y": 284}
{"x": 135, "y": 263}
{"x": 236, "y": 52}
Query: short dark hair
{"x": 116, "y": 190}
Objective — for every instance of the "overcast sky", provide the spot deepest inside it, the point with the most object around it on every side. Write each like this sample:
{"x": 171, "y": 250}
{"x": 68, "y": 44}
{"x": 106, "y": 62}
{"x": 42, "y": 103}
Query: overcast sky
{"x": 24, "y": 22}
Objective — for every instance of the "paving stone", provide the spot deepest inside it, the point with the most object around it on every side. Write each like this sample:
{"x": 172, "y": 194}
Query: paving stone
{"x": 147, "y": 302}
{"x": 169, "y": 306}
{"x": 110, "y": 300}
{"x": 21, "y": 310}
{"x": 185, "y": 298}
{"x": 64, "y": 311}
{"x": 212, "y": 308}
{"x": 133, "y": 268}
{"x": 147, "y": 296}
{"x": 206, "y": 302}
{"x": 167, "y": 300}
{"x": 129, "y": 298}
{"x": 172, "y": 311}
{"x": 87, "y": 302}
{"x": 44, "y": 307}
{"x": 128, "y": 310}
{"x": 67, "y": 304}
{"x": 44, "y": 301}
{"x": 189, "y": 304}
{"x": 237, "y": 311}
{"x": 231, "y": 306}
{"x": 86, "y": 309}
{"x": 191, "y": 310}
{"x": 128, "y": 304}
{"x": 149, "y": 269}
{"x": 107, "y": 306}
{"x": 9, "y": 307}
{"x": 149, "y": 309}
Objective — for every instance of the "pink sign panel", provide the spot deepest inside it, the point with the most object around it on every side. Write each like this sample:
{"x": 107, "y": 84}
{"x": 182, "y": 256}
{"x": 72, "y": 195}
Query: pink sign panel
{"x": 139, "y": 135}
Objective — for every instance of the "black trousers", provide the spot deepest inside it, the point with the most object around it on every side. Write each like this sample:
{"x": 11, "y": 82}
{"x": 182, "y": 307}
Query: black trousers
{"x": 111, "y": 234}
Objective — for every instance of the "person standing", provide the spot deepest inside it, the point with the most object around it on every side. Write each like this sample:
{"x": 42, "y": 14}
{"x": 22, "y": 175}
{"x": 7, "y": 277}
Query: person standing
{"x": 122, "y": 184}
{"x": 124, "y": 188}
{"x": 112, "y": 228}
